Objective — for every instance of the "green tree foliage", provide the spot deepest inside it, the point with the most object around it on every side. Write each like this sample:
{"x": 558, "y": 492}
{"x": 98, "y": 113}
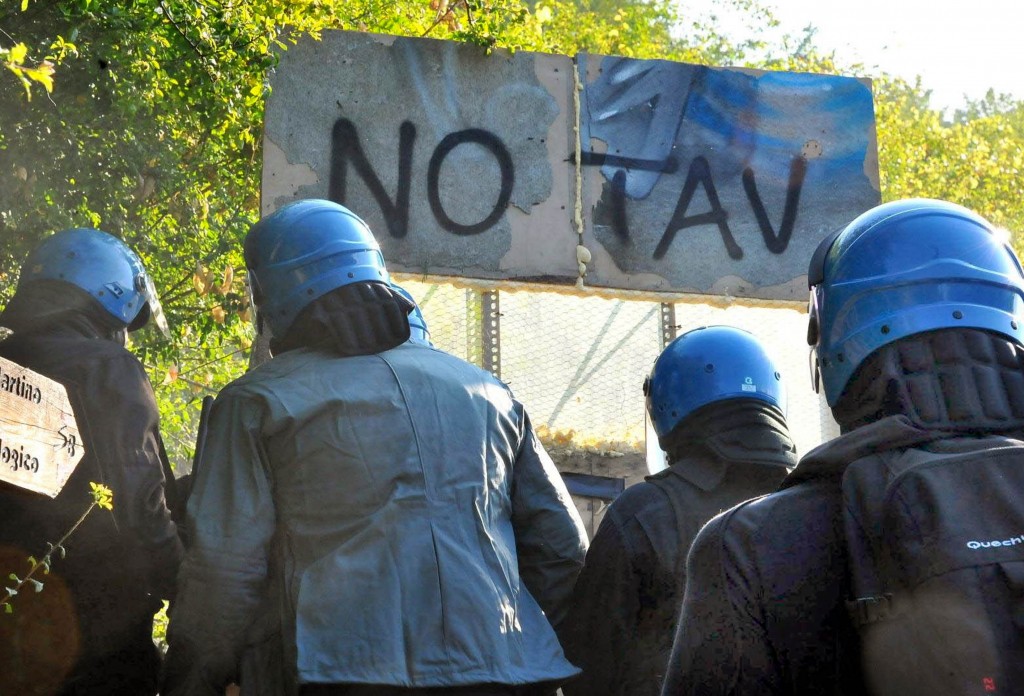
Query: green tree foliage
{"x": 16, "y": 60}
{"x": 151, "y": 130}
{"x": 977, "y": 159}
{"x": 634, "y": 29}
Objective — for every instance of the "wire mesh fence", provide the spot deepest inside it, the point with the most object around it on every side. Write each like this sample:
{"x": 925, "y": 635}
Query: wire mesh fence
{"x": 578, "y": 362}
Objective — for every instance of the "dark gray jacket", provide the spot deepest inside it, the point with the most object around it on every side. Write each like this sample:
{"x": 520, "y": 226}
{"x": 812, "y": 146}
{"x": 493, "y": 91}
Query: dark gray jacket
{"x": 627, "y": 598}
{"x": 95, "y": 612}
{"x": 765, "y": 606}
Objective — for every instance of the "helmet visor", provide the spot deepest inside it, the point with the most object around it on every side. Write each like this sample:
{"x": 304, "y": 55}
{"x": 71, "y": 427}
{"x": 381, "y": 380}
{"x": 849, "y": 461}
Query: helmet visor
{"x": 813, "y": 339}
{"x": 156, "y": 311}
{"x": 250, "y": 295}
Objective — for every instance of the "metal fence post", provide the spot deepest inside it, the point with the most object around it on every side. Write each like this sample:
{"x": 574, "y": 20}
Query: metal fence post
{"x": 490, "y": 333}
{"x": 669, "y": 327}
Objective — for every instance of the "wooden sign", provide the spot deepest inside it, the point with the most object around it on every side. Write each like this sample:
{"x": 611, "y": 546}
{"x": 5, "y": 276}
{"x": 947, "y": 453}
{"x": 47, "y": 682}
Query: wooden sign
{"x": 39, "y": 442}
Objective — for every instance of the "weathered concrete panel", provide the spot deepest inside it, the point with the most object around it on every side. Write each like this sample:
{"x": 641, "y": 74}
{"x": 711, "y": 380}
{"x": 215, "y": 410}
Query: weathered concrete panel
{"x": 689, "y": 179}
{"x": 719, "y": 181}
{"x": 455, "y": 158}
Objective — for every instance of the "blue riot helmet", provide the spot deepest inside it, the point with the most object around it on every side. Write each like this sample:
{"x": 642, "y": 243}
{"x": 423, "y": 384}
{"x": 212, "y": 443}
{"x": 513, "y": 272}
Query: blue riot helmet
{"x": 904, "y": 268}
{"x": 301, "y": 252}
{"x": 705, "y": 365}
{"x": 418, "y": 332}
{"x": 104, "y": 267}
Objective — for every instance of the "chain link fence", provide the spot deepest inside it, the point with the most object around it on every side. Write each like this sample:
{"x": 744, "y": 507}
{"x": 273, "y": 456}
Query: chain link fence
{"x": 578, "y": 361}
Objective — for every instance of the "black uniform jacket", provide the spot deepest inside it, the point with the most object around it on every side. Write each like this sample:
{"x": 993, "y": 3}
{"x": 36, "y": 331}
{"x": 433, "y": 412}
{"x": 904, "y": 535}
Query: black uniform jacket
{"x": 94, "y": 613}
{"x": 628, "y": 595}
{"x": 626, "y": 600}
{"x": 765, "y": 605}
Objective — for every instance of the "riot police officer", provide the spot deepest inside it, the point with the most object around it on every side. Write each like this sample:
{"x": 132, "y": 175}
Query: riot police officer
{"x": 718, "y": 405}
{"x": 90, "y": 630}
{"x": 376, "y": 516}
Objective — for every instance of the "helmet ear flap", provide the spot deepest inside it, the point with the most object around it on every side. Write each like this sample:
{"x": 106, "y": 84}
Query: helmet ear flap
{"x": 813, "y": 337}
{"x": 141, "y": 319}
{"x": 815, "y": 367}
{"x": 813, "y": 331}
{"x": 145, "y": 312}
{"x": 816, "y": 268}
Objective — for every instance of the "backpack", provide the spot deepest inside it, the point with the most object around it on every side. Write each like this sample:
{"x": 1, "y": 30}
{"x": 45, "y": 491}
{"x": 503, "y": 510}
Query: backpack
{"x": 935, "y": 549}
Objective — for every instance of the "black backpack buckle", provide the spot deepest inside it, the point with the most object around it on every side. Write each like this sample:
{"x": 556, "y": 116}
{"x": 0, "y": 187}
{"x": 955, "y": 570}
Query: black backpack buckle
{"x": 869, "y": 610}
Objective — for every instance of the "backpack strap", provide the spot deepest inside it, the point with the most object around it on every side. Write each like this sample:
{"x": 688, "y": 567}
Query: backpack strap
{"x": 660, "y": 481}
{"x": 864, "y": 483}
